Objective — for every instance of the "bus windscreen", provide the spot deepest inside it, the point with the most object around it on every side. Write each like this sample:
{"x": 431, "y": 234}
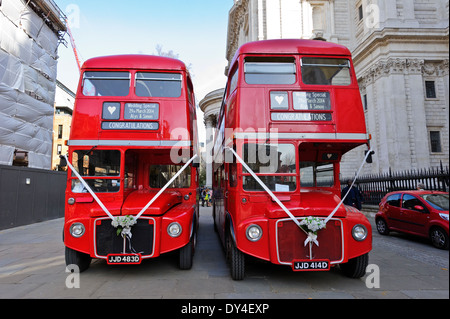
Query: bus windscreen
{"x": 158, "y": 84}
{"x": 106, "y": 83}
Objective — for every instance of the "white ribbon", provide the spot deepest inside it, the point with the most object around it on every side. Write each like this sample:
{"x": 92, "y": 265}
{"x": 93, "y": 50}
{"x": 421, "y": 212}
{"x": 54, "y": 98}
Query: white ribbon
{"x": 165, "y": 187}
{"x": 312, "y": 238}
{"x": 353, "y": 183}
{"x": 89, "y": 189}
{"x": 145, "y": 207}
{"x": 126, "y": 232}
{"x": 267, "y": 189}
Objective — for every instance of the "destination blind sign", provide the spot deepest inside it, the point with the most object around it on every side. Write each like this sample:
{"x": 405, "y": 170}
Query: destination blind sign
{"x": 141, "y": 111}
{"x": 307, "y": 117}
{"x": 317, "y": 101}
{"x": 145, "y": 126}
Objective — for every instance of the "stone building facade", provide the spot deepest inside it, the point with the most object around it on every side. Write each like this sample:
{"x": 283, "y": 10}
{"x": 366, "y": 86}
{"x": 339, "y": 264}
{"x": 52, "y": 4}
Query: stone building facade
{"x": 400, "y": 50}
{"x": 210, "y": 105}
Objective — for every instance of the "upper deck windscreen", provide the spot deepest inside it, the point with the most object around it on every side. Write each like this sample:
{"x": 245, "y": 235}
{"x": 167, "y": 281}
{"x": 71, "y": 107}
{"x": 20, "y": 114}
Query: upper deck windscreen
{"x": 147, "y": 84}
{"x": 270, "y": 70}
{"x": 106, "y": 83}
{"x": 325, "y": 71}
{"x": 158, "y": 84}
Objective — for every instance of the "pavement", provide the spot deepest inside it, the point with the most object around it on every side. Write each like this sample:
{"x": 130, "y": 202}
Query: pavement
{"x": 32, "y": 266}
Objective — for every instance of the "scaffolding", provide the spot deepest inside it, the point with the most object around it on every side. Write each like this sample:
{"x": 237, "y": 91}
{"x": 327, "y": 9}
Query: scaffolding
{"x": 30, "y": 33}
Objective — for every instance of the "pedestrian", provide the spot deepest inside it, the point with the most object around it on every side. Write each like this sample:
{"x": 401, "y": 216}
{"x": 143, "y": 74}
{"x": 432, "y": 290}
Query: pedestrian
{"x": 207, "y": 196}
{"x": 354, "y": 197}
{"x": 202, "y": 196}
{"x": 210, "y": 197}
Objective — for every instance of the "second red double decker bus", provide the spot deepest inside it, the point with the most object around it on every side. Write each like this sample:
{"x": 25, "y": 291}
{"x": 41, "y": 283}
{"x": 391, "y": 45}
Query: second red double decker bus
{"x": 291, "y": 109}
{"x": 132, "y": 185}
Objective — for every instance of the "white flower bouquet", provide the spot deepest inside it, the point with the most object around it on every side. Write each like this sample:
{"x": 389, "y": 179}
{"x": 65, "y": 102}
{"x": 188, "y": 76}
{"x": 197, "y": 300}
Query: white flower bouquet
{"x": 312, "y": 224}
{"x": 123, "y": 224}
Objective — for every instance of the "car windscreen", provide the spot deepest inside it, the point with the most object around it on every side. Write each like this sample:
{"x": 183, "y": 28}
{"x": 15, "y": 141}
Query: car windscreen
{"x": 437, "y": 201}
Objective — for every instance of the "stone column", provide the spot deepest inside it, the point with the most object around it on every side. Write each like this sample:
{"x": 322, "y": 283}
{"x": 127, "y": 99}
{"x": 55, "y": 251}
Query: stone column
{"x": 210, "y": 106}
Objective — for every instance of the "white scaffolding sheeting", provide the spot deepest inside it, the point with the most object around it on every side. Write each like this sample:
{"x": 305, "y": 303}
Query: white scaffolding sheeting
{"x": 28, "y": 67}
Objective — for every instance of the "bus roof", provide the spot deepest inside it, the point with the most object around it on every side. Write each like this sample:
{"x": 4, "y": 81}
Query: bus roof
{"x": 292, "y": 46}
{"x": 134, "y": 61}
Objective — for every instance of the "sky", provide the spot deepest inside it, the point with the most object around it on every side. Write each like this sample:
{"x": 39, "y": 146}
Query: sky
{"x": 196, "y": 30}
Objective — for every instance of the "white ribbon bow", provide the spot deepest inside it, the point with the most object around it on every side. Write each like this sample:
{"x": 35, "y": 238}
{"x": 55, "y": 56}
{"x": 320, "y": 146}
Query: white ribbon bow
{"x": 126, "y": 232}
{"x": 312, "y": 238}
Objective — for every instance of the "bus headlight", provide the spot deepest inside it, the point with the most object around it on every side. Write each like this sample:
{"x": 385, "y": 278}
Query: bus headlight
{"x": 174, "y": 230}
{"x": 254, "y": 233}
{"x": 77, "y": 230}
{"x": 359, "y": 232}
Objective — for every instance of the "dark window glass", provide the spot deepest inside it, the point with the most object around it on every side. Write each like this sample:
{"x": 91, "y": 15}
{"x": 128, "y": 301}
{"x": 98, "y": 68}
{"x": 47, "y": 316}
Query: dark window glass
{"x": 410, "y": 201}
{"x": 276, "y": 159}
{"x": 106, "y": 83}
{"x": 394, "y": 200}
{"x": 97, "y": 164}
{"x": 316, "y": 174}
{"x": 430, "y": 89}
{"x": 270, "y": 70}
{"x": 435, "y": 140}
{"x": 160, "y": 175}
{"x": 325, "y": 71}
{"x": 158, "y": 84}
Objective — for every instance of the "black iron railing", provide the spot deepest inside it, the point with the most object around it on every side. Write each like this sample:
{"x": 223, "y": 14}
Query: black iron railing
{"x": 374, "y": 187}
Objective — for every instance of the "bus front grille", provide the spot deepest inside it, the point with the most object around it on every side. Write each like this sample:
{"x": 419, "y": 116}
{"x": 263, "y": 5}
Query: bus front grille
{"x": 291, "y": 239}
{"x": 108, "y": 242}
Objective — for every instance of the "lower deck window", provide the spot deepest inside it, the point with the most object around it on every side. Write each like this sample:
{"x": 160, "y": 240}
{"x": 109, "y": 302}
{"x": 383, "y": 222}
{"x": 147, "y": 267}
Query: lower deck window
{"x": 273, "y": 163}
{"x": 100, "y": 169}
{"x": 160, "y": 175}
{"x": 316, "y": 174}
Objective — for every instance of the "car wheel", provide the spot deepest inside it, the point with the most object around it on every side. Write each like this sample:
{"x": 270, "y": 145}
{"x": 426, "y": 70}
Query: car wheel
{"x": 236, "y": 259}
{"x": 439, "y": 238}
{"x": 186, "y": 254}
{"x": 382, "y": 227}
{"x": 356, "y": 267}
{"x": 73, "y": 257}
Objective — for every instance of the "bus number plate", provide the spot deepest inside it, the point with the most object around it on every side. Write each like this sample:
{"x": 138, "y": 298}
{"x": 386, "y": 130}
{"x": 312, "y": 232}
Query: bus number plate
{"x": 311, "y": 265}
{"x": 124, "y": 259}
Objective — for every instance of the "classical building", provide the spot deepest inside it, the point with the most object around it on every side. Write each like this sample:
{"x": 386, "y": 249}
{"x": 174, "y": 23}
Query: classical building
{"x": 210, "y": 105}
{"x": 400, "y": 50}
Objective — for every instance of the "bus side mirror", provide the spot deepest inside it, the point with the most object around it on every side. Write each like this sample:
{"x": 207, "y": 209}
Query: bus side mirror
{"x": 62, "y": 161}
{"x": 369, "y": 159}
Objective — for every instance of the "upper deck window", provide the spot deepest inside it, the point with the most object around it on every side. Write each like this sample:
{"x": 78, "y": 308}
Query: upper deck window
{"x": 326, "y": 71}
{"x": 158, "y": 84}
{"x": 106, "y": 83}
{"x": 269, "y": 70}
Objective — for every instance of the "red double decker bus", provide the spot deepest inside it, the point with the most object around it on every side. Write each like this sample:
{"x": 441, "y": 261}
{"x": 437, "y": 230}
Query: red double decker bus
{"x": 132, "y": 178}
{"x": 290, "y": 110}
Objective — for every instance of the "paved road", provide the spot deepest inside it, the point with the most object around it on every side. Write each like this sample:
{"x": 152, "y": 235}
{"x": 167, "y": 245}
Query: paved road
{"x": 32, "y": 266}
